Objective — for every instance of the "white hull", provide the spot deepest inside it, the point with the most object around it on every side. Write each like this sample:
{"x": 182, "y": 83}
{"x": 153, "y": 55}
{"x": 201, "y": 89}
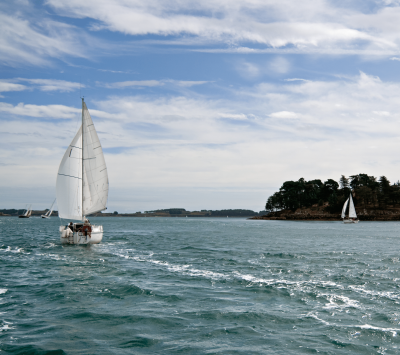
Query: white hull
{"x": 69, "y": 237}
{"x": 350, "y": 221}
{"x": 43, "y": 216}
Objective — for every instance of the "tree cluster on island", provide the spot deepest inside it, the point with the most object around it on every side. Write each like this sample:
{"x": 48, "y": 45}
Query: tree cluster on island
{"x": 208, "y": 213}
{"x": 368, "y": 191}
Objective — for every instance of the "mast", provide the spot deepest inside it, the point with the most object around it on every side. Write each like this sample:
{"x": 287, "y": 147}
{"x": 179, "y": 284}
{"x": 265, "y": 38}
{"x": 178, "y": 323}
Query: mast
{"x": 82, "y": 155}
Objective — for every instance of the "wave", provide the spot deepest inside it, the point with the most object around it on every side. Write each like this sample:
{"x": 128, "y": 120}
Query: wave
{"x": 6, "y": 326}
{"x": 393, "y": 331}
{"x": 11, "y": 250}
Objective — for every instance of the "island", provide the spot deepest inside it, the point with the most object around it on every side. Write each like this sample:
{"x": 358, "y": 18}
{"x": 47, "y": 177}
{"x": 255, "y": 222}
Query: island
{"x": 169, "y": 212}
{"x": 375, "y": 199}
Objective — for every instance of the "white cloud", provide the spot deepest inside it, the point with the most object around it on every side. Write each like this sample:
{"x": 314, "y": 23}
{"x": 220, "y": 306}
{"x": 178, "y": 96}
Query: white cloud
{"x": 188, "y": 83}
{"x": 150, "y": 83}
{"x": 248, "y": 70}
{"x": 41, "y": 84}
{"x": 382, "y": 113}
{"x": 23, "y": 42}
{"x": 125, "y": 84}
{"x": 296, "y": 79}
{"x": 283, "y": 114}
{"x": 250, "y": 142}
{"x": 9, "y": 86}
{"x": 54, "y": 85}
{"x": 52, "y": 111}
{"x": 317, "y": 25}
{"x": 279, "y": 65}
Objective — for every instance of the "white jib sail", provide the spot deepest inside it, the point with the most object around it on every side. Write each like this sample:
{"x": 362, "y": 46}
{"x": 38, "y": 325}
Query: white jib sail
{"x": 352, "y": 210}
{"x": 28, "y": 211}
{"x": 69, "y": 181}
{"x": 95, "y": 177}
{"x": 49, "y": 212}
{"x": 344, "y": 208}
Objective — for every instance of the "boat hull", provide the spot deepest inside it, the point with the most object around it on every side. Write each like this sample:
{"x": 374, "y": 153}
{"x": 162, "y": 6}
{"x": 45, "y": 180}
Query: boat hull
{"x": 350, "y": 221}
{"x": 43, "y": 216}
{"x": 69, "y": 237}
{"x": 23, "y": 216}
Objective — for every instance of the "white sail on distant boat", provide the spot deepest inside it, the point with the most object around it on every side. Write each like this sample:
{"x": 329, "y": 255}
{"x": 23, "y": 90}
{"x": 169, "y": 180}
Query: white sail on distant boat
{"x": 82, "y": 184}
{"x": 27, "y": 213}
{"x": 352, "y": 218}
{"x": 49, "y": 212}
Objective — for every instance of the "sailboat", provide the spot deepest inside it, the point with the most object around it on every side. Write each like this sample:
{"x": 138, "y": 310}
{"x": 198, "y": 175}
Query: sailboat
{"x": 49, "y": 212}
{"x": 352, "y": 211}
{"x": 82, "y": 185}
{"x": 27, "y": 213}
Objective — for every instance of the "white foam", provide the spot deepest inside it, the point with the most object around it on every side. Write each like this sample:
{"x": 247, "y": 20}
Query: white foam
{"x": 253, "y": 279}
{"x": 205, "y": 273}
{"x": 3, "y": 290}
{"x": 51, "y": 245}
{"x": 183, "y": 269}
{"x": 313, "y": 315}
{"x": 386, "y": 294}
{"x": 6, "y": 326}
{"x": 54, "y": 257}
{"x": 16, "y": 250}
{"x": 339, "y": 302}
{"x": 368, "y": 326}
{"x": 364, "y": 326}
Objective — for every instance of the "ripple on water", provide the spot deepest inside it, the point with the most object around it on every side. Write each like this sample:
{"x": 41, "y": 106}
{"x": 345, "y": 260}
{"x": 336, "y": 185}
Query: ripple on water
{"x": 201, "y": 286}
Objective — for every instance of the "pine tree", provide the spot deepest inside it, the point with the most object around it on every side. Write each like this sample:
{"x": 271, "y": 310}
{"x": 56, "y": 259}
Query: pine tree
{"x": 344, "y": 182}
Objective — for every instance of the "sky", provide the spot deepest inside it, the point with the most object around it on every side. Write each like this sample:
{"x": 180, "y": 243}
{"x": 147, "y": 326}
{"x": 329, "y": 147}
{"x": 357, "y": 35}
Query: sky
{"x": 198, "y": 104}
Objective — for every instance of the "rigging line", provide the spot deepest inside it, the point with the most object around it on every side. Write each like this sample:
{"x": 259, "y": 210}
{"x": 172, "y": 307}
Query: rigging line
{"x": 70, "y": 176}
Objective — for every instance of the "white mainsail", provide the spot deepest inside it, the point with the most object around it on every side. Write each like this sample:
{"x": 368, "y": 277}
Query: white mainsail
{"x": 69, "y": 181}
{"x": 82, "y": 181}
{"x": 344, "y": 208}
{"x": 95, "y": 178}
{"x": 352, "y": 210}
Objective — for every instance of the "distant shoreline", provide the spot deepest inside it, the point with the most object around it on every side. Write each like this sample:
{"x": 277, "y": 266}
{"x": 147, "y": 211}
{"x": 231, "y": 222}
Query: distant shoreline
{"x": 318, "y": 214}
{"x": 172, "y": 212}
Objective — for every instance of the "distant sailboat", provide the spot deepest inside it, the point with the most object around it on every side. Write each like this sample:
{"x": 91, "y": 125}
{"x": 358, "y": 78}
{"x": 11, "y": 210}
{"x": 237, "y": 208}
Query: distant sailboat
{"x": 352, "y": 211}
{"x": 49, "y": 212}
{"x": 82, "y": 184}
{"x": 27, "y": 213}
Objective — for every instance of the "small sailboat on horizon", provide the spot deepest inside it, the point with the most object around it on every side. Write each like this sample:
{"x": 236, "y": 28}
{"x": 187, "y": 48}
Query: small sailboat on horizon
{"x": 27, "y": 213}
{"x": 49, "y": 212}
{"x": 82, "y": 185}
{"x": 352, "y": 218}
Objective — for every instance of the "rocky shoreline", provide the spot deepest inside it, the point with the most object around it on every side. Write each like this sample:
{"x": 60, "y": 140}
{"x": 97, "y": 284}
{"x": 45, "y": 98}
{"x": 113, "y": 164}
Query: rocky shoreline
{"x": 318, "y": 214}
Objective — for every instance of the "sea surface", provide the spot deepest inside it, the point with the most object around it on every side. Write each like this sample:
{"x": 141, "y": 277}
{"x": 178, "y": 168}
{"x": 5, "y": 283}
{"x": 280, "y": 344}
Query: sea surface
{"x": 201, "y": 286}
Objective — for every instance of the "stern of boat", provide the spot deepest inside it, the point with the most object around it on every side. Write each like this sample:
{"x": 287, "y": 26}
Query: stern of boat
{"x": 346, "y": 221}
{"x": 69, "y": 237}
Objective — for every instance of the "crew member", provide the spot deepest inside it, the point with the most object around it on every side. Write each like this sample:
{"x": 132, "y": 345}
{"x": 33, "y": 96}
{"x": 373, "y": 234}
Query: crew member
{"x": 87, "y": 229}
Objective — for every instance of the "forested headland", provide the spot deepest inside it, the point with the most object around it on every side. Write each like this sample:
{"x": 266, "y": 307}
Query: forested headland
{"x": 303, "y": 197}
